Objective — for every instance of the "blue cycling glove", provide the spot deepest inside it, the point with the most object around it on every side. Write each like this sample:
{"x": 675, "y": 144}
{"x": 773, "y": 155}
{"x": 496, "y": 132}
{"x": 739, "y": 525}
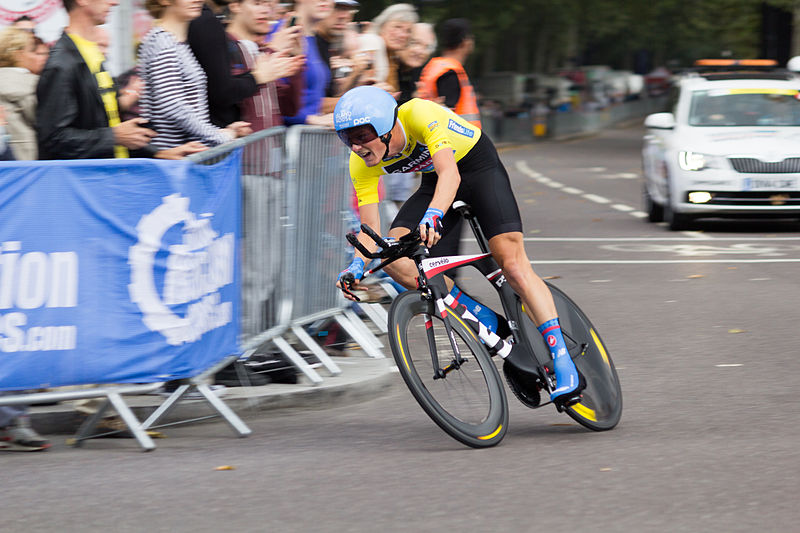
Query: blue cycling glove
{"x": 433, "y": 219}
{"x": 356, "y": 268}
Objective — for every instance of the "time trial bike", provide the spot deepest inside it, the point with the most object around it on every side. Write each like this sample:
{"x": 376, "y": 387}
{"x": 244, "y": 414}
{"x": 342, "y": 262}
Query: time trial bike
{"x": 446, "y": 356}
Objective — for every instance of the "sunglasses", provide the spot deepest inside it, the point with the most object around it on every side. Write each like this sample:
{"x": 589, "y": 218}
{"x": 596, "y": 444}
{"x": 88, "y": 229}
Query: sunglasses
{"x": 359, "y": 135}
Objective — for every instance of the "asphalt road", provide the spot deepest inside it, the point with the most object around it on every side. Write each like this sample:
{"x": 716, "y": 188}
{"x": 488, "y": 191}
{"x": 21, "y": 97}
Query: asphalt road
{"x": 701, "y": 325}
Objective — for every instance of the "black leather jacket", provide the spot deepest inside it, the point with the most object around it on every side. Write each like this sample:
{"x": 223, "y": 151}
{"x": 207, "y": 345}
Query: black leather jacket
{"x": 71, "y": 121}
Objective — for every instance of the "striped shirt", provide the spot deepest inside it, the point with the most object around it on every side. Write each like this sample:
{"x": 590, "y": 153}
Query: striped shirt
{"x": 175, "y": 101}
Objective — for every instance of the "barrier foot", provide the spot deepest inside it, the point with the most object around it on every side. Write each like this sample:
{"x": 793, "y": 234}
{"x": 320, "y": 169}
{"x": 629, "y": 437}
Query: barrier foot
{"x": 297, "y": 360}
{"x": 224, "y": 411}
{"x": 136, "y": 428}
{"x": 317, "y": 350}
{"x": 360, "y": 334}
{"x": 132, "y": 422}
{"x": 353, "y": 317}
{"x": 88, "y": 425}
{"x": 377, "y": 314}
{"x": 227, "y": 413}
{"x": 166, "y": 406}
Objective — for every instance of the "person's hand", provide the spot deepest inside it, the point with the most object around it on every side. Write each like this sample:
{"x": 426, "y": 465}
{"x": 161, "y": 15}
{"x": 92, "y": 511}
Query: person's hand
{"x": 430, "y": 227}
{"x": 179, "y": 152}
{"x": 277, "y": 65}
{"x": 132, "y": 135}
{"x": 354, "y": 273}
{"x": 326, "y": 121}
{"x": 239, "y": 129}
{"x": 2, "y": 116}
{"x": 131, "y": 93}
{"x": 288, "y": 38}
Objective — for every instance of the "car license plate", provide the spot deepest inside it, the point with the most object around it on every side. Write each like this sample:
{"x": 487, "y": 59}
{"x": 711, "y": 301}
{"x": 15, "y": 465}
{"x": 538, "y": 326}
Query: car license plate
{"x": 760, "y": 184}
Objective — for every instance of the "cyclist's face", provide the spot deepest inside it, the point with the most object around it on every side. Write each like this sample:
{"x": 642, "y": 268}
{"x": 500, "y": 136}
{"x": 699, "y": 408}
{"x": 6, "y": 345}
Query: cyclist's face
{"x": 365, "y": 143}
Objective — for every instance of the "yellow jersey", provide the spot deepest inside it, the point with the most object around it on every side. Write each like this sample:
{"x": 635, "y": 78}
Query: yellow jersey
{"x": 428, "y": 128}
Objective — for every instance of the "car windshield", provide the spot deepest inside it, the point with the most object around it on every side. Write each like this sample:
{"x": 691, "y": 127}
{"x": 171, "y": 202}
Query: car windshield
{"x": 745, "y": 107}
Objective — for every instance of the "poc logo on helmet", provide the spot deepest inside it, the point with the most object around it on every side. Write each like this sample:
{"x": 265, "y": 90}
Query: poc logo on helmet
{"x": 362, "y": 120}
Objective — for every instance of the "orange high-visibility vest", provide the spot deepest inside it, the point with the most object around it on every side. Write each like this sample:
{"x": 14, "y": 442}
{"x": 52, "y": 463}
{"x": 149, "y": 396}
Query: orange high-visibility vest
{"x": 467, "y": 106}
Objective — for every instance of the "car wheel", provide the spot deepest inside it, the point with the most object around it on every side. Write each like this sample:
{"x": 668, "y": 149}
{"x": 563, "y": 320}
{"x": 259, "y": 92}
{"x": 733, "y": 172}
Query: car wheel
{"x": 675, "y": 221}
{"x": 655, "y": 211}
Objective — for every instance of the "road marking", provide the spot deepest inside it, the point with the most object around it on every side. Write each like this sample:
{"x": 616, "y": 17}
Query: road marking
{"x": 697, "y": 235}
{"x": 597, "y": 199}
{"x": 523, "y": 167}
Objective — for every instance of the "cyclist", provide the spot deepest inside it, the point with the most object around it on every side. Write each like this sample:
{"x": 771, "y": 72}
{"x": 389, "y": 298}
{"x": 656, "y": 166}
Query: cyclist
{"x": 458, "y": 162}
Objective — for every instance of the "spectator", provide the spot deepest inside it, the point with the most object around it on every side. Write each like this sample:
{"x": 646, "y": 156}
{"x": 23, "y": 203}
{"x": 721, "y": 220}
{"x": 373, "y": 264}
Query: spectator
{"x": 16, "y": 433}
{"x": 387, "y": 36}
{"x": 445, "y": 76}
{"x": 420, "y": 48}
{"x": 25, "y": 23}
{"x": 77, "y": 113}
{"x": 317, "y": 74}
{"x": 333, "y": 48}
{"x": 41, "y": 52}
{"x": 208, "y": 43}
{"x": 175, "y": 101}
{"x": 249, "y": 23}
{"x": 131, "y": 87}
{"x": 5, "y": 149}
{"x": 18, "y": 60}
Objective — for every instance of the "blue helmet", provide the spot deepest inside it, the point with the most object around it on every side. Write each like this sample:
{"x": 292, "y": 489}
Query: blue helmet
{"x": 366, "y": 104}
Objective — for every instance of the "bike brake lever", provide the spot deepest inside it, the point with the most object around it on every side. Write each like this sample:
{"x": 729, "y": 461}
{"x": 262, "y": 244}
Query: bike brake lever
{"x": 346, "y": 282}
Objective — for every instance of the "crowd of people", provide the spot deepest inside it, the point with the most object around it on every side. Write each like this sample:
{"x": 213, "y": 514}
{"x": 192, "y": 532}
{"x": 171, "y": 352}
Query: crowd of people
{"x": 207, "y": 73}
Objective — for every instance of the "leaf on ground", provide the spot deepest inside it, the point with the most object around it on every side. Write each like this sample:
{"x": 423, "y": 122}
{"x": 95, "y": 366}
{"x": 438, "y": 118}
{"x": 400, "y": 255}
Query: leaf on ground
{"x": 551, "y": 277}
{"x": 695, "y": 276}
{"x": 735, "y": 330}
{"x": 225, "y": 467}
{"x": 606, "y": 469}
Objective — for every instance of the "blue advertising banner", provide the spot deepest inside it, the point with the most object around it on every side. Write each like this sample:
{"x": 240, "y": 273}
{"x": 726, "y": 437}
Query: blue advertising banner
{"x": 116, "y": 271}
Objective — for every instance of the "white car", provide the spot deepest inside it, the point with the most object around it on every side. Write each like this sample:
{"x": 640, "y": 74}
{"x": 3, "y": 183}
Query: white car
{"x": 730, "y": 148}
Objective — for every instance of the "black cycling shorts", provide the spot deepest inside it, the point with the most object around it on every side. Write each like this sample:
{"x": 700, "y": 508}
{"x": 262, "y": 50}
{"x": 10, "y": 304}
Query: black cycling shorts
{"x": 485, "y": 186}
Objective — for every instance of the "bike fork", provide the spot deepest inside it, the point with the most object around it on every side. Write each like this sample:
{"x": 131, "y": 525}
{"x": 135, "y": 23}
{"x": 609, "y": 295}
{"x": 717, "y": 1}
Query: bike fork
{"x": 455, "y": 364}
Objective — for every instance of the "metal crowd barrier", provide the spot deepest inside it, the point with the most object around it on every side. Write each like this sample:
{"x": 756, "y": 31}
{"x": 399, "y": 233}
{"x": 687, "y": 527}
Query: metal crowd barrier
{"x": 295, "y": 207}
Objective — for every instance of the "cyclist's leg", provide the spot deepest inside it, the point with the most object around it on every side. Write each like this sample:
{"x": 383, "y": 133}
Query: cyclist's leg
{"x": 489, "y": 192}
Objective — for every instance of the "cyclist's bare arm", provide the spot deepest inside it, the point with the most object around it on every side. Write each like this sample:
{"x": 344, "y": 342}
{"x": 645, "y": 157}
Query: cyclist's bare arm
{"x": 446, "y": 188}
{"x": 370, "y": 215}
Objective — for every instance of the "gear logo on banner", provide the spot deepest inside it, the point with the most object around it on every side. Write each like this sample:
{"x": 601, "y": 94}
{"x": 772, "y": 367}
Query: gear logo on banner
{"x": 197, "y": 268}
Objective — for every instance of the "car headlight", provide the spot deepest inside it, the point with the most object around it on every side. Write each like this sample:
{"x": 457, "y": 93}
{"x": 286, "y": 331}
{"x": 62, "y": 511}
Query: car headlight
{"x": 697, "y": 161}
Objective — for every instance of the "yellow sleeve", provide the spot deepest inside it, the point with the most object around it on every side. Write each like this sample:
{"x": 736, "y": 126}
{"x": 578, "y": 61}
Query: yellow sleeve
{"x": 428, "y": 121}
{"x": 365, "y": 181}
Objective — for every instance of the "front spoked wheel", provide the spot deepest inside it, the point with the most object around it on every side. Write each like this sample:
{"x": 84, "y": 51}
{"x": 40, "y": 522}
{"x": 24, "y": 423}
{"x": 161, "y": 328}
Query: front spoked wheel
{"x": 469, "y": 402}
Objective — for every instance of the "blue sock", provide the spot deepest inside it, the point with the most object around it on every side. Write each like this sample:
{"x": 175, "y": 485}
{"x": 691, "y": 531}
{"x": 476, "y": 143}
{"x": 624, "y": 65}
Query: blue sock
{"x": 566, "y": 373}
{"x": 484, "y": 314}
